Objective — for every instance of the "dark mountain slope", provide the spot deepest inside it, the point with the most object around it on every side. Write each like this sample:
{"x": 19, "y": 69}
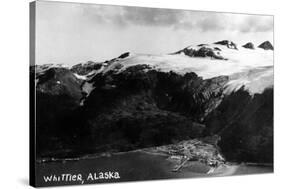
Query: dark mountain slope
{"x": 135, "y": 108}
{"x": 245, "y": 124}
{"x": 58, "y": 94}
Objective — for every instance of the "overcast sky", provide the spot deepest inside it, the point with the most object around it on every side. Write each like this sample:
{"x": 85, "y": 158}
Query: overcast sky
{"x": 71, "y": 33}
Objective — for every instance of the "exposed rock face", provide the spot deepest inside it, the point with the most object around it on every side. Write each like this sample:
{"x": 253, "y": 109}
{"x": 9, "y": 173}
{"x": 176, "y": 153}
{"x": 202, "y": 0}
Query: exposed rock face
{"x": 59, "y": 81}
{"x": 266, "y": 45}
{"x": 227, "y": 43}
{"x": 124, "y": 55}
{"x": 203, "y": 51}
{"x": 84, "y": 69}
{"x": 249, "y": 46}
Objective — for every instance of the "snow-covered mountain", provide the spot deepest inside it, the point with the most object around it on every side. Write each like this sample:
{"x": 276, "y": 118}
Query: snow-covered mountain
{"x": 252, "y": 69}
{"x": 141, "y": 100}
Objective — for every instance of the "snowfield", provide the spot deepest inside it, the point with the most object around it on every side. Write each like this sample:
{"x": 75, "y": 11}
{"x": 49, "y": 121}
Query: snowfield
{"x": 252, "y": 69}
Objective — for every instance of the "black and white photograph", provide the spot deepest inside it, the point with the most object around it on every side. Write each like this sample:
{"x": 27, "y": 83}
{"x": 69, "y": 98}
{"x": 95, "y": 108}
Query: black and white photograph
{"x": 128, "y": 93}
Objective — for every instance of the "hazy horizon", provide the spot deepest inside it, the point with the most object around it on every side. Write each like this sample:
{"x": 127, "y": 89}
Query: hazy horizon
{"x": 71, "y": 33}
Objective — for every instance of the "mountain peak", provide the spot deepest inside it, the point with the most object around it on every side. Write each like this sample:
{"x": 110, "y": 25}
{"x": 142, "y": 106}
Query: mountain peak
{"x": 202, "y": 50}
{"x": 249, "y": 45}
{"x": 266, "y": 45}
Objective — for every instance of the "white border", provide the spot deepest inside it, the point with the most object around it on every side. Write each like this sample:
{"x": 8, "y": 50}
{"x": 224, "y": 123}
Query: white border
{"x": 14, "y": 78}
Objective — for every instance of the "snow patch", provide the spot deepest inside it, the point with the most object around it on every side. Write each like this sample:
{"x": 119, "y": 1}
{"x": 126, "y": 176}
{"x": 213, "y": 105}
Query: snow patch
{"x": 82, "y": 77}
{"x": 88, "y": 88}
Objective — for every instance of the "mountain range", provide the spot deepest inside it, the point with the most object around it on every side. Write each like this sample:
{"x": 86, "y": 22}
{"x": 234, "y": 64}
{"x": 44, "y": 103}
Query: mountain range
{"x": 141, "y": 100}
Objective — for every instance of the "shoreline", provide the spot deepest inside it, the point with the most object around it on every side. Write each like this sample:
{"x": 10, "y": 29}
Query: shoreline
{"x": 145, "y": 151}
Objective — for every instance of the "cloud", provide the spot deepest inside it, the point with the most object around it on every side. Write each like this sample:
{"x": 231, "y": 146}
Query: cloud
{"x": 257, "y": 24}
{"x": 152, "y": 16}
{"x": 203, "y": 21}
{"x": 125, "y": 16}
{"x": 210, "y": 22}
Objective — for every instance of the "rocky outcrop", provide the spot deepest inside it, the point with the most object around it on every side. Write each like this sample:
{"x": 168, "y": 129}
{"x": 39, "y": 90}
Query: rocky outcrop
{"x": 249, "y": 46}
{"x": 84, "y": 69}
{"x": 266, "y": 45}
{"x": 124, "y": 55}
{"x": 227, "y": 43}
{"x": 203, "y": 51}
